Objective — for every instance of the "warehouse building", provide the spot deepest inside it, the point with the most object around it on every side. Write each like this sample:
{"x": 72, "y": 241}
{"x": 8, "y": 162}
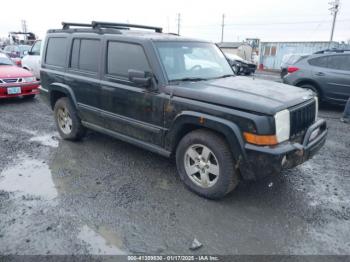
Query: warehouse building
{"x": 272, "y": 53}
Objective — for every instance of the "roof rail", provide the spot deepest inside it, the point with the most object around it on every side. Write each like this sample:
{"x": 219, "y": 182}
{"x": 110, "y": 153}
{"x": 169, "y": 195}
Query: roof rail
{"x": 335, "y": 50}
{"x": 66, "y": 25}
{"x": 96, "y": 24}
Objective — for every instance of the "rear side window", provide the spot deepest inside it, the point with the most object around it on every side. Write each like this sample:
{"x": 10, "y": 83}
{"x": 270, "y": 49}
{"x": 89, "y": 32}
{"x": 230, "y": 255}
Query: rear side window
{"x": 56, "y": 51}
{"x": 340, "y": 62}
{"x": 319, "y": 61}
{"x": 125, "y": 56}
{"x": 85, "y": 54}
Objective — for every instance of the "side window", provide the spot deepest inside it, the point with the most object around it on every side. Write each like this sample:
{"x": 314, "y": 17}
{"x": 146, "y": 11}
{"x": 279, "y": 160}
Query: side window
{"x": 36, "y": 48}
{"x": 85, "y": 54}
{"x": 124, "y": 56}
{"x": 340, "y": 62}
{"x": 56, "y": 51}
{"x": 319, "y": 61}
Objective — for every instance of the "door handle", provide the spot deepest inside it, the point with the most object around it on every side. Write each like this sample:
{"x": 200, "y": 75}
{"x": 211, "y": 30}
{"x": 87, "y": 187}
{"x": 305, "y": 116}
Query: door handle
{"x": 320, "y": 74}
{"x": 106, "y": 88}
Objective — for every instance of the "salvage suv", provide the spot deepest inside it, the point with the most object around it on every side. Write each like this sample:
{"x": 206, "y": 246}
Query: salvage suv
{"x": 177, "y": 97}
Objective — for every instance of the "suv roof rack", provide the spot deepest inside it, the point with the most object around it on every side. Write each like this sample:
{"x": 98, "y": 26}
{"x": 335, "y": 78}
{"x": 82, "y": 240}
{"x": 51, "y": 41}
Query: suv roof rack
{"x": 66, "y": 25}
{"x": 96, "y": 24}
{"x": 335, "y": 50}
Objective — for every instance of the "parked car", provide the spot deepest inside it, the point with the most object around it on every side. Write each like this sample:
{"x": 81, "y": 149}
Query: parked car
{"x": 15, "y": 51}
{"x": 239, "y": 65}
{"x": 15, "y": 81}
{"x": 32, "y": 59}
{"x": 143, "y": 88}
{"x": 325, "y": 73}
{"x": 289, "y": 60}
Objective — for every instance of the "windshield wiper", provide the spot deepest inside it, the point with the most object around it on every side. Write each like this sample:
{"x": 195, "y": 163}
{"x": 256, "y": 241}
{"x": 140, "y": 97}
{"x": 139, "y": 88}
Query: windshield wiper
{"x": 194, "y": 79}
{"x": 4, "y": 64}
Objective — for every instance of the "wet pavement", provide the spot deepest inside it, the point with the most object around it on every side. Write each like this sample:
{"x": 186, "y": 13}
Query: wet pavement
{"x": 103, "y": 196}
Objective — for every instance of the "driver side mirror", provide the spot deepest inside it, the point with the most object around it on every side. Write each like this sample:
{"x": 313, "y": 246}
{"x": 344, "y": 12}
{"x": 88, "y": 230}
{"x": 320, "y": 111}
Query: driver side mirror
{"x": 140, "y": 78}
{"x": 25, "y": 53}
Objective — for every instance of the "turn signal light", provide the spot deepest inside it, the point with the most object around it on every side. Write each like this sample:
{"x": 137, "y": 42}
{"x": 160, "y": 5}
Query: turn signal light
{"x": 264, "y": 140}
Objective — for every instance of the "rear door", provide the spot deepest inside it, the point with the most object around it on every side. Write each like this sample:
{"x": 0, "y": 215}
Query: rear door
{"x": 83, "y": 76}
{"x": 319, "y": 73}
{"x": 338, "y": 77}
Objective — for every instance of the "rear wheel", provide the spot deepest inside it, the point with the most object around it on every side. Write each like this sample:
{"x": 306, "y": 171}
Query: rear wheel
{"x": 206, "y": 165}
{"x": 67, "y": 120}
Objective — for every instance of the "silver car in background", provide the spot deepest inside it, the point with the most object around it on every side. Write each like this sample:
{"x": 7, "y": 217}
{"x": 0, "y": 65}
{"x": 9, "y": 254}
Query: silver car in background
{"x": 327, "y": 73}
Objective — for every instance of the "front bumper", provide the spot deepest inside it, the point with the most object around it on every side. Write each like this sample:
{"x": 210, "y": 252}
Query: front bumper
{"x": 26, "y": 90}
{"x": 266, "y": 161}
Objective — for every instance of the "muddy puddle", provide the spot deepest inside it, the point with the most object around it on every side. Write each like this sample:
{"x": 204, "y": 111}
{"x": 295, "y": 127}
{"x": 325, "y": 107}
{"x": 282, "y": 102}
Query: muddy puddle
{"x": 49, "y": 140}
{"x": 28, "y": 177}
{"x": 99, "y": 244}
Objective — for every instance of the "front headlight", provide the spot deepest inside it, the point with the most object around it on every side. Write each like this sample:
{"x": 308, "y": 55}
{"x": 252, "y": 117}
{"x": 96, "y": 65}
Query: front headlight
{"x": 282, "y": 122}
{"x": 28, "y": 79}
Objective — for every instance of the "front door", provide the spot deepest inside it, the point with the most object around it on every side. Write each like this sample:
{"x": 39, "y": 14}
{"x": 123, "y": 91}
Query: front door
{"x": 128, "y": 109}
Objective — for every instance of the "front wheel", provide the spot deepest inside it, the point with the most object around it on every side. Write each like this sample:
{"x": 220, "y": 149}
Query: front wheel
{"x": 67, "y": 120}
{"x": 206, "y": 165}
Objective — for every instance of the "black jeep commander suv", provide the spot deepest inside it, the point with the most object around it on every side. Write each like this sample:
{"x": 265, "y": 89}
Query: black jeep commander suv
{"x": 177, "y": 97}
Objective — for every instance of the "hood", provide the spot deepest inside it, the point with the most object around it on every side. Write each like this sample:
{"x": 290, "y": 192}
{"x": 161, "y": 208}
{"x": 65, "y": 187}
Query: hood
{"x": 244, "y": 93}
{"x": 11, "y": 71}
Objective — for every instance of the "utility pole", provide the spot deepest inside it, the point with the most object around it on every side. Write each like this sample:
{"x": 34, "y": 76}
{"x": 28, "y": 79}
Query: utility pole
{"x": 334, "y": 9}
{"x": 24, "y": 28}
{"x": 178, "y": 23}
{"x": 222, "y": 28}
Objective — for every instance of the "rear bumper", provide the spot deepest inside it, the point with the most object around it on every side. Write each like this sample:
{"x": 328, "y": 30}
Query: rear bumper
{"x": 266, "y": 161}
{"x": 26, "y": 90}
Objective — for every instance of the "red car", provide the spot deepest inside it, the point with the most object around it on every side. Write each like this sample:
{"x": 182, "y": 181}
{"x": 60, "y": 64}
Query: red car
{"x": 16, "y": 81}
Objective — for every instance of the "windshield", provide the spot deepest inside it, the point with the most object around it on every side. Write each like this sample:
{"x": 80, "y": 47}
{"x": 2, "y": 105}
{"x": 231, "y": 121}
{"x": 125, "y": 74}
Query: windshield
{"x": 192, "y": 60}
{"x": 4, "y": 60}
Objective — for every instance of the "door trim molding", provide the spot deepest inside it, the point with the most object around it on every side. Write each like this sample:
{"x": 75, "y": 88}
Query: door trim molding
{"x": 125, "y": 120}
{"x": 151, "y": 147}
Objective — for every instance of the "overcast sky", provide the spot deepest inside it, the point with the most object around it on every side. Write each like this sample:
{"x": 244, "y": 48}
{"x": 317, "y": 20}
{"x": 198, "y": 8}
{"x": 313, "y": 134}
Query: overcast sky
{"x": 269, "y": 20}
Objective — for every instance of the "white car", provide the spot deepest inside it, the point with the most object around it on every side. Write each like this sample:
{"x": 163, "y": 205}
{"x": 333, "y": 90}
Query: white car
{"x": 32, "y": 60}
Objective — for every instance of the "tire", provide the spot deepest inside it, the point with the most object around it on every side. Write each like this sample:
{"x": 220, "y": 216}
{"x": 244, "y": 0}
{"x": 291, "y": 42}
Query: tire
{"x": 29, "y": 97}
{"x": 220, "y": 160}
{"x": 67, "y": 120}
{"x": 313, "y": 89}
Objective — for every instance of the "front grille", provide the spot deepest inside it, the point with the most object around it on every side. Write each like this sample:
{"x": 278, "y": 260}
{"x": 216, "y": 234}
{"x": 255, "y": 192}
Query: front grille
{"x": 301, "y": 117}
{"x": 11, "y": 80}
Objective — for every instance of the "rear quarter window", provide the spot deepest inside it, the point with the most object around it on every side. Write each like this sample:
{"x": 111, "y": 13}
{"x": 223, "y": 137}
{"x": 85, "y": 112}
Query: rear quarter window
{"x": 56, "y": 51}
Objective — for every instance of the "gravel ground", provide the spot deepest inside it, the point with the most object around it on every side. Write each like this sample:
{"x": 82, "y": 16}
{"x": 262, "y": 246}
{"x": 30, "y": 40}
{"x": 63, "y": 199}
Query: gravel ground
{"x": 103, "y": 196}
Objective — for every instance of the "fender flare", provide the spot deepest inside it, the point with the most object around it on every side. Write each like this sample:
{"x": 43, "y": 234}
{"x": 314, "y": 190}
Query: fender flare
{"x": 228, "y": 129}
{"x": 59, "y": 87}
